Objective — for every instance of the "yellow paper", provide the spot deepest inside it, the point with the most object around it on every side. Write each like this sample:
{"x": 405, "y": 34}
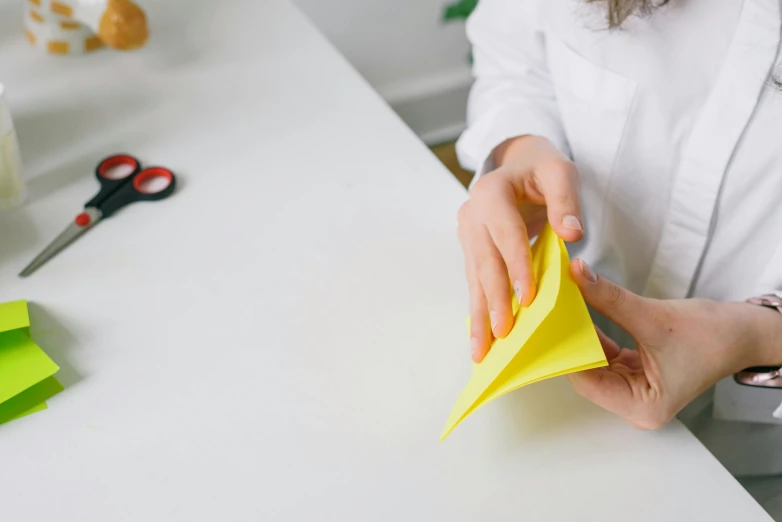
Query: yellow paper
{"x": 553, "y": 336}
{"x": 25, "y": 370}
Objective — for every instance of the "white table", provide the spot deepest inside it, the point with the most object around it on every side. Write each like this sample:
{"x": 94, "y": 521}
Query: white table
{"x": 283, "y": 339}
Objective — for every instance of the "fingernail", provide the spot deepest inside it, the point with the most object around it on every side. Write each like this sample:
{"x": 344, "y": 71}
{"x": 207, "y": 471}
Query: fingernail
{"x": 588, "y": 272}
{"x": 474, "y": 345}
{"x": 517, "y": 289}
{"x": 572, "y": 222}
{"x": 495, "y": 319}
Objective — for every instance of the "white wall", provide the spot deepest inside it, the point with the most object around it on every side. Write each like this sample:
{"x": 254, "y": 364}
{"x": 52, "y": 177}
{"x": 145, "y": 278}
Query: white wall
{"x": 417, "y": 63}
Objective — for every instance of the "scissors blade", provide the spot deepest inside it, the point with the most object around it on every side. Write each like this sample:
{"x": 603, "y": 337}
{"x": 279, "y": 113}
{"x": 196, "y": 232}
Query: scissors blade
{"x": 68, "y": 236}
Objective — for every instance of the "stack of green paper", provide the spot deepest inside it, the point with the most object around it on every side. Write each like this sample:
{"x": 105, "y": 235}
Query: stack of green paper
{"x": 26, "y": 373}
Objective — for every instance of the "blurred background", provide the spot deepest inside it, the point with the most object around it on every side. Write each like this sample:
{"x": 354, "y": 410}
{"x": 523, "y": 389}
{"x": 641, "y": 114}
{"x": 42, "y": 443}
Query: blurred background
{"x": 414, "y": 53}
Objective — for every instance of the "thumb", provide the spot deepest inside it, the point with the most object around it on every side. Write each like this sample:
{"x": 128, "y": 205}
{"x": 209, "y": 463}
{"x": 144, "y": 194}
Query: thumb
{"x": 626, "y": 309}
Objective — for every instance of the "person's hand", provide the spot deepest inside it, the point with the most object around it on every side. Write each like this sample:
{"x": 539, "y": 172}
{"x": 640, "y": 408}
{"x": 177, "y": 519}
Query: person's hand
{"x": 684, "y": 348}
{"x": 533, "y": 184}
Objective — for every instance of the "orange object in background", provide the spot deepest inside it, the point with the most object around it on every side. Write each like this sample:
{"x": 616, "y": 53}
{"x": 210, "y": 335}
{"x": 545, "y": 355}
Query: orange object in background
{"x": 55, "y": 34}
{"x": 79, "y": 26}
{"x": 123, "y": 25}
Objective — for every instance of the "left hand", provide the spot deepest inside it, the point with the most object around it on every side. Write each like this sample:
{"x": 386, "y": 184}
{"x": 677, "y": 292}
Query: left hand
{"x": 684, "y": 348}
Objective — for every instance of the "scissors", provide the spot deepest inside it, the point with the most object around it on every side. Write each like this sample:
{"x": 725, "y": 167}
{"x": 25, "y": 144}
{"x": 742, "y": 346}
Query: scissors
{"x": 122, "y": 182}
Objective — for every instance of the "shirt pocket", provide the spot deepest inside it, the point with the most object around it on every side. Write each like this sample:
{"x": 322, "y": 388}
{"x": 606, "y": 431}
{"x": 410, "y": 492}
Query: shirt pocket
{"x": 595, "y": 105}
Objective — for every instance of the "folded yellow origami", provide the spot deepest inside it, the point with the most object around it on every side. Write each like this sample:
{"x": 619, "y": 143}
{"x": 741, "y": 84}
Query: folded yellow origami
{"x": 553, "y": 336}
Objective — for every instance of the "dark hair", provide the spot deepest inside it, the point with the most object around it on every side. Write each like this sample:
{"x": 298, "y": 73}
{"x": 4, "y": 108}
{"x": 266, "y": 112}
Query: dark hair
{"x": 621, "y": 10}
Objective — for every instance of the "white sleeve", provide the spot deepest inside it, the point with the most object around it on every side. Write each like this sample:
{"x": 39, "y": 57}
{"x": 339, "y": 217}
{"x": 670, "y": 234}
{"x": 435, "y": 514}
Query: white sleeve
{"x": 512, "y": 95}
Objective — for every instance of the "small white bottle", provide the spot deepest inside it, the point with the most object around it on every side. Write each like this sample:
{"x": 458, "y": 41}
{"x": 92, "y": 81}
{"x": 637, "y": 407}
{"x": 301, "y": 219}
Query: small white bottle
{"x": 12, "y": 189}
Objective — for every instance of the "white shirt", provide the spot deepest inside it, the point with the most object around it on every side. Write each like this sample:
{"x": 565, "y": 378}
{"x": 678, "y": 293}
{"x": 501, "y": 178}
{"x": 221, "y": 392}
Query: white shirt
{"x": 675, "y": 129}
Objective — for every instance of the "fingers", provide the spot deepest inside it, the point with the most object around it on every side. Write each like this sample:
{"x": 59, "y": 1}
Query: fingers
{"x": 480, "y": 332}
{"x": 509, "y": 234}
{"x": 493, "y": 276}
{"x": 491, "y": 314}
{"x": 627, "y": 387}
{"x": 559, "y": 184}
{"x": 495, "y": 205}
{"x": 607, "y": 389}
{"x": 624, "y": 389}
{"x": 495, "y": 240}
{"x": 610, "y": 347}
{"x": 623, "y": 307}
{"x": 616, "y": 388}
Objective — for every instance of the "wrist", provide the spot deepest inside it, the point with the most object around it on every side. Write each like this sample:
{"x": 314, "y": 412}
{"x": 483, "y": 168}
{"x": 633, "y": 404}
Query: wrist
{"x": 761, "y": 334}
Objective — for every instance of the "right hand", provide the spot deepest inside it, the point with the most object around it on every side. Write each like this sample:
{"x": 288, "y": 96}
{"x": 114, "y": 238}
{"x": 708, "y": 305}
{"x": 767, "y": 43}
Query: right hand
{"x": 533, "y": 184}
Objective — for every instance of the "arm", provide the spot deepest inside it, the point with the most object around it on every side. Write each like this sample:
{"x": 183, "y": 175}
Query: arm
{"x": 512, "y": 95}
{"x": 514, "y": 125}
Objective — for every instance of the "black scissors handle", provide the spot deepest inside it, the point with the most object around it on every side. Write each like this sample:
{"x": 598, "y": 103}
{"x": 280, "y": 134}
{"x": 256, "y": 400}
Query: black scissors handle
{"x": 123, "y": 181}
{"x": 112, "y": 173}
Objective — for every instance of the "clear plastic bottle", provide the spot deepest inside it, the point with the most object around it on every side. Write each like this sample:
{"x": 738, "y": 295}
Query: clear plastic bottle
{"x": 12, "y": 188}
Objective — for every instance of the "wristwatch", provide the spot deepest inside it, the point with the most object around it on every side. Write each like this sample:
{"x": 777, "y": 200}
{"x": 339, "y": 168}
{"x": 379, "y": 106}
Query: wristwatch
{"x": 763, "y": 376}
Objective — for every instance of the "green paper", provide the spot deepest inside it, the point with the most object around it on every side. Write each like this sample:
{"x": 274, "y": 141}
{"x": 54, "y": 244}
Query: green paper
{"x": 30, "y": 401}
{"x": 38, "y": 407}
{"x": 22, "y": 364}
{"x": 25, "y": 370}
{"x": 13, "y": 316}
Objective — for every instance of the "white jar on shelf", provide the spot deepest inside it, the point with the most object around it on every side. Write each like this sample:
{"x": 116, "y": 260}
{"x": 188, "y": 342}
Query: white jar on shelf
{"x": 12, "y": 189}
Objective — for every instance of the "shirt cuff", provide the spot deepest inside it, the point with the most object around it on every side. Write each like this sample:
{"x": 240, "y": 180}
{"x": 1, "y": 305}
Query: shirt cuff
{"x": 476, "y": 146}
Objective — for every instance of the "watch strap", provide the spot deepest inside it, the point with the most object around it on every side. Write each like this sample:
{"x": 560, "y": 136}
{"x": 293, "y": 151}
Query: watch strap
{"x": 765, "y": 377}
{"x": 769, "y": 301}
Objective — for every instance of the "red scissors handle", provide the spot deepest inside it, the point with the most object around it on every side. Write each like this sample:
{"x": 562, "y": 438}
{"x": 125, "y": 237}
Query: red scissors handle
{"x": 122, "y": 182}
{"x": 112, "y": 173}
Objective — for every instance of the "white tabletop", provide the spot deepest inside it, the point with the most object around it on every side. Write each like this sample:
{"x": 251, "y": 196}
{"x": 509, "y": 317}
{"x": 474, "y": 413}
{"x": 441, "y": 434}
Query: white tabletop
{"x": 283, "y": 339}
